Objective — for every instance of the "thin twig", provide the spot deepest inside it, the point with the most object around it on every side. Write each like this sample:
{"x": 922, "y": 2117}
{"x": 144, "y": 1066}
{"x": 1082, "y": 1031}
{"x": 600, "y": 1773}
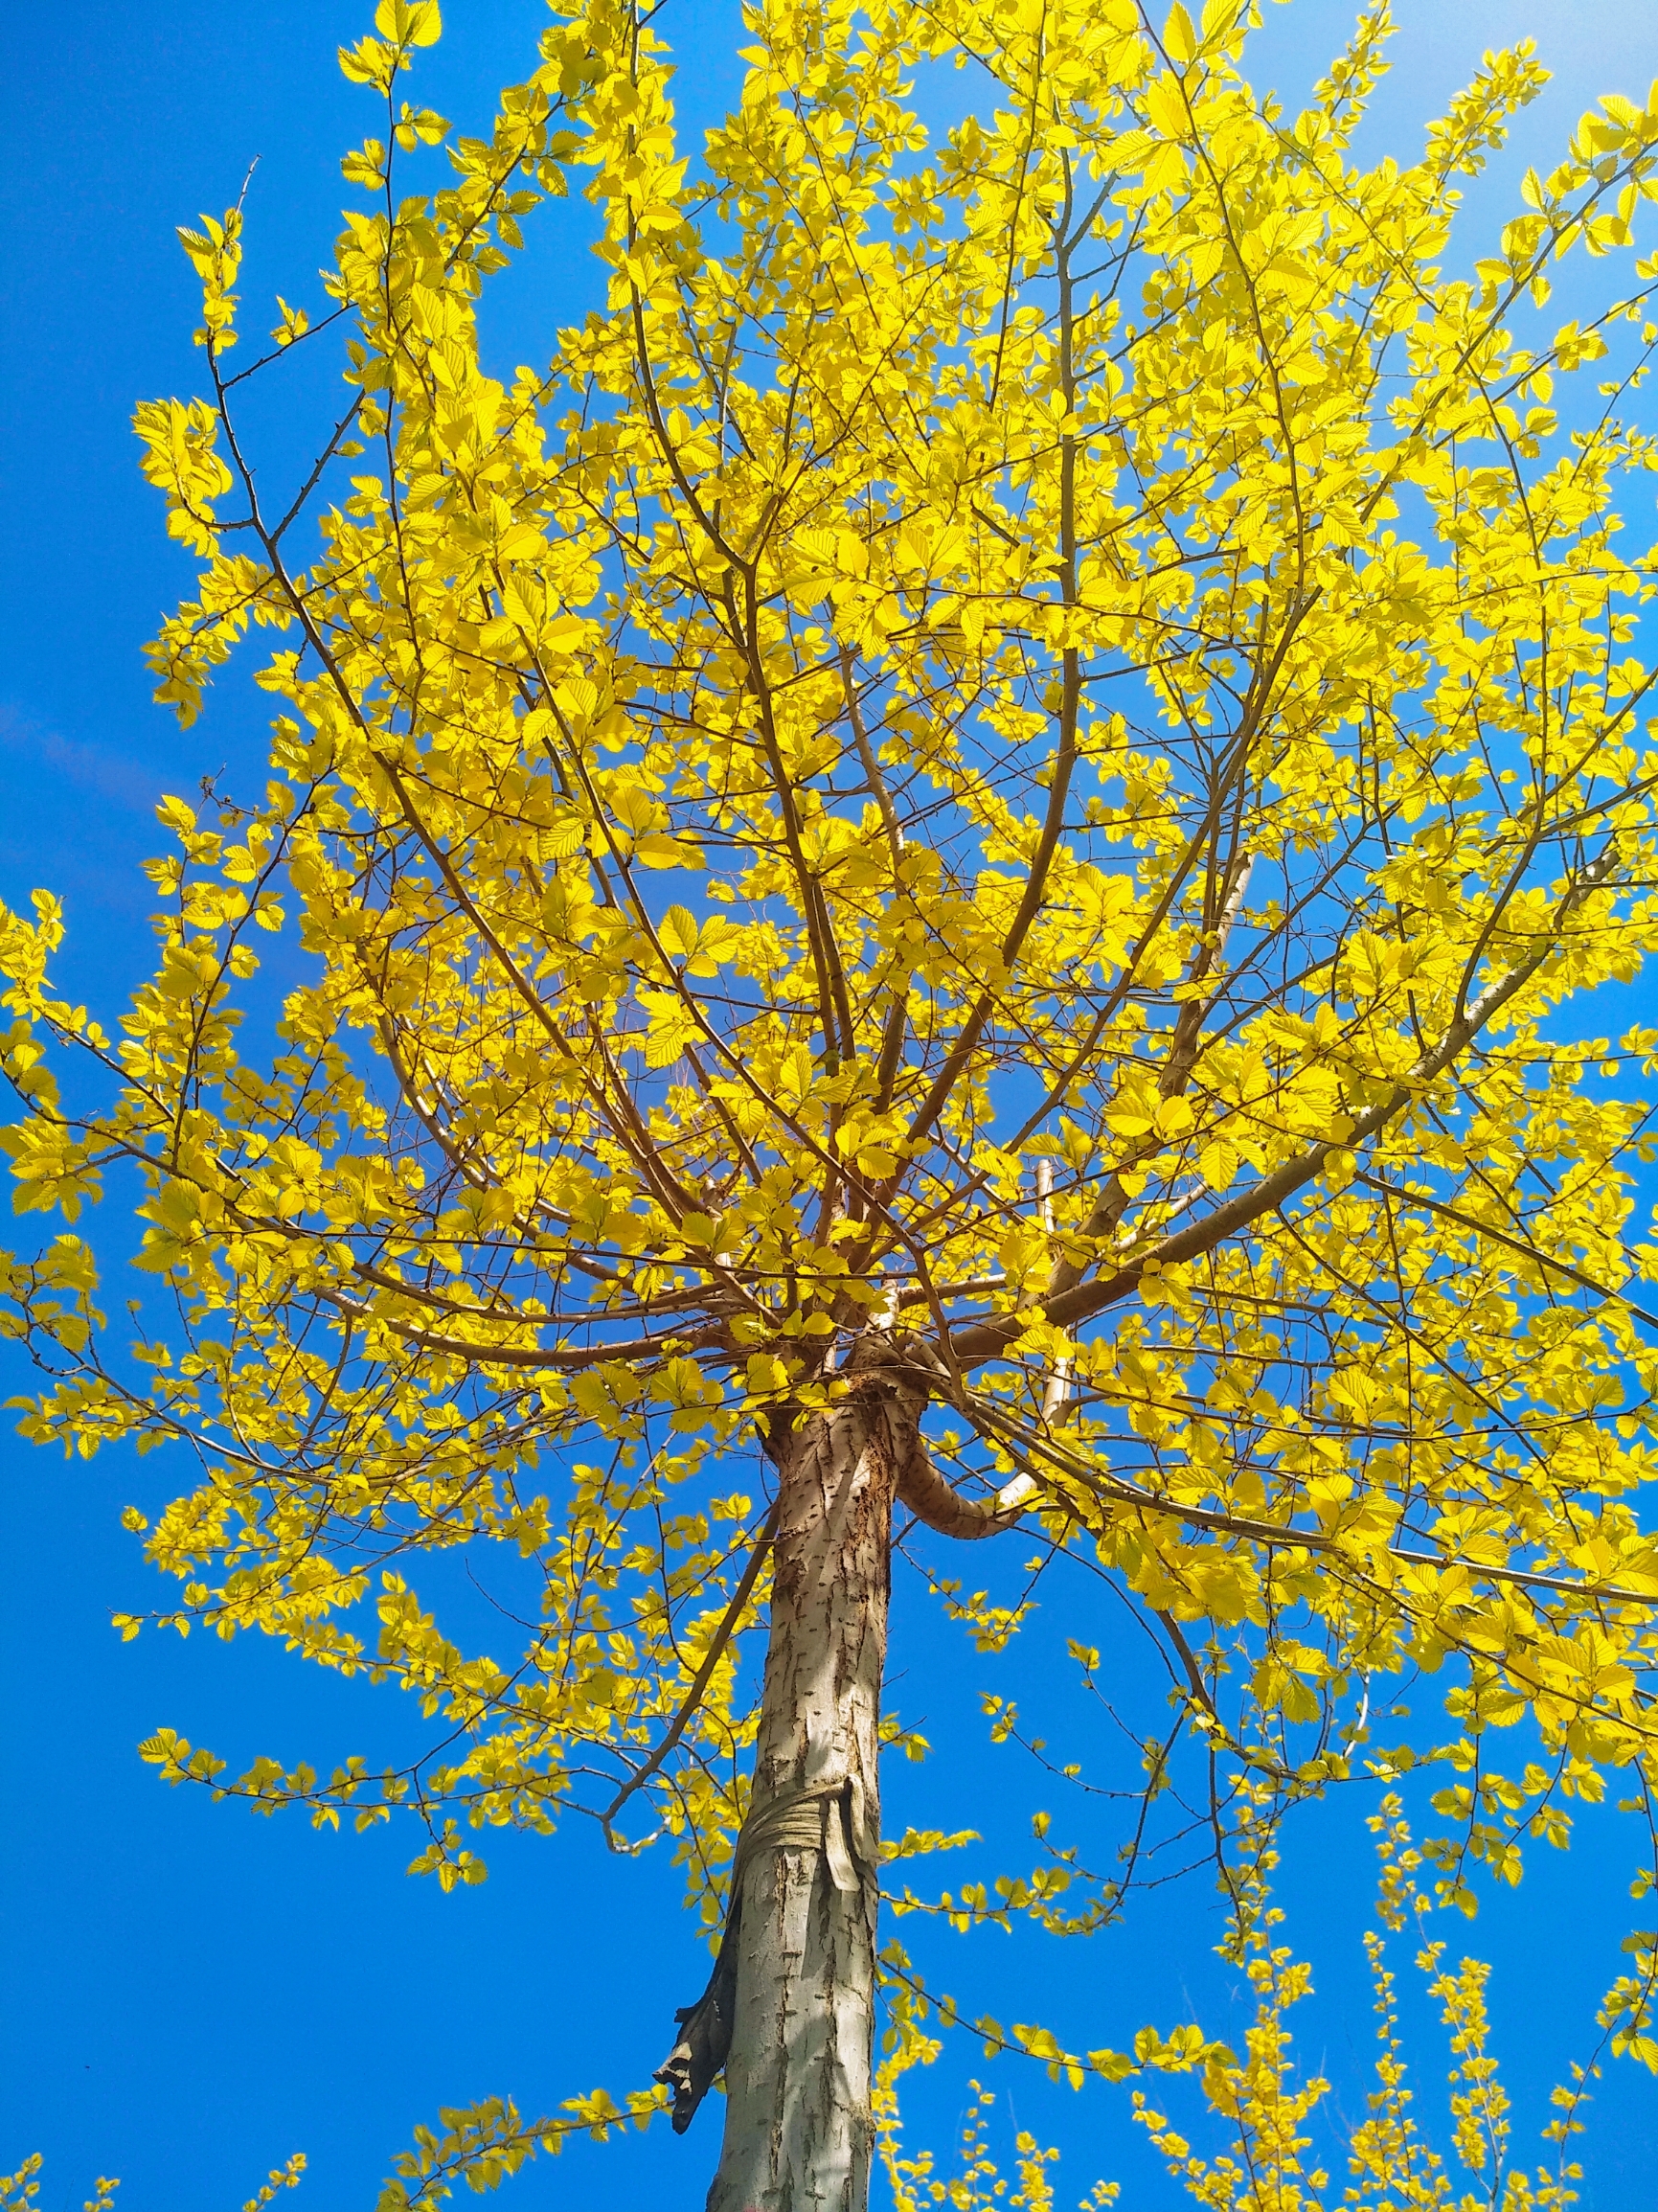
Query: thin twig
{"x": 704, "y": 1674}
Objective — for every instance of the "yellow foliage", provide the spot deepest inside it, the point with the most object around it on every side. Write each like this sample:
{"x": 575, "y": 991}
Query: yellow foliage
{"x": 1257, "y": 2101}
{"x": 1035, "y": 740}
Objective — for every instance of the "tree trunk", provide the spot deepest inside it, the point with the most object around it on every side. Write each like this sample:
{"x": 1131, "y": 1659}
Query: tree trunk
{"x": 798, "y": 2133}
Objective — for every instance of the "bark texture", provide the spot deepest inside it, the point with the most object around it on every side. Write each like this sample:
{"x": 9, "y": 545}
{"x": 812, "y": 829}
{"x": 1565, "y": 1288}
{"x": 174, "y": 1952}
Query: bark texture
{"x": 797, "y": 2077}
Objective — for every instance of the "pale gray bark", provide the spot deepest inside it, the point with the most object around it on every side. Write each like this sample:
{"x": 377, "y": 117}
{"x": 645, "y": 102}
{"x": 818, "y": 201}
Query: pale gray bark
{"x": 798, "y": 2134}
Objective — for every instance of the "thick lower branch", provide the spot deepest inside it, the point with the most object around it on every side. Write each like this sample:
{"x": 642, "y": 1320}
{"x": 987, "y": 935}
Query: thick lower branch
{"x": 924, "y": 1490}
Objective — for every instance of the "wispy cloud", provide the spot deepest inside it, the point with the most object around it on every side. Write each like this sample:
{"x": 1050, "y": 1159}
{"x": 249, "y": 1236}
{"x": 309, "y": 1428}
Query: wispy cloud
{"x": 110, "y": 775}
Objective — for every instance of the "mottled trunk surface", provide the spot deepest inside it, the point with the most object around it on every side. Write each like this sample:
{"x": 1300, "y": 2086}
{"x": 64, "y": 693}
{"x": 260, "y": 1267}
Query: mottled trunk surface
{"x": 797, "y": 2136}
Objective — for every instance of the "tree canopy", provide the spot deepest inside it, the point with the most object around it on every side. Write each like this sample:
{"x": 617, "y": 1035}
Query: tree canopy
{"x": 983, "y": 826}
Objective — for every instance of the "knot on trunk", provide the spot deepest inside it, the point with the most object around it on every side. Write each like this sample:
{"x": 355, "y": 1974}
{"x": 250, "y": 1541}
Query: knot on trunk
{"x": 826, "y": 1816}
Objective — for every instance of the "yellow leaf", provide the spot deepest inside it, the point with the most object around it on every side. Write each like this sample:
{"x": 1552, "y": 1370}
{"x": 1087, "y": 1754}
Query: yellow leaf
{"x": 1218, "y": 1164}
{"x": 1178, "y": 36}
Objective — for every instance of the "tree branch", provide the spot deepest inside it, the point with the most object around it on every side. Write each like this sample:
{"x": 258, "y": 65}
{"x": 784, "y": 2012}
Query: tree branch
{"x": 985, "y": 1340}
{"x": 704, "y": 1675}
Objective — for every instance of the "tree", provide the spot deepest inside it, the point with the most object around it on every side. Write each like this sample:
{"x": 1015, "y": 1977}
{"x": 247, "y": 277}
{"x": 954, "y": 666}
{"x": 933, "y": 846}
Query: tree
{"x": 956, "y": 859}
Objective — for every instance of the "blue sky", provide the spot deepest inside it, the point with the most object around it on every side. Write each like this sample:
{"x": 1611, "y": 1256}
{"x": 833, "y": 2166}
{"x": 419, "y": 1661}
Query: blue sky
{"x": 191, "y": 1993}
